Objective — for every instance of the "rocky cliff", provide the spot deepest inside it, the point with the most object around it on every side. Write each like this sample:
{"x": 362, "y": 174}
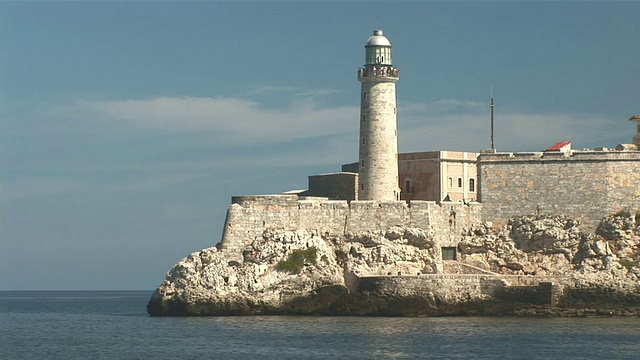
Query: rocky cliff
{"x": 533, "y": 265}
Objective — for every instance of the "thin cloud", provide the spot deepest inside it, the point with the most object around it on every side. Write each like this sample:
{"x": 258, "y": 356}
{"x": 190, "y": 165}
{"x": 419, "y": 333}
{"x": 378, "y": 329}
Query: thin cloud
{"x": 270, "y": 90}
{"x": 443, "y": 106}
{"x": 231, "y": 120}
{"x": 318, "y": 92}
{"x": 293, "y": 91}
{"x": 465, "y": 125}
{"x": 32, "y": 187}
{"x": 322, "y": 135}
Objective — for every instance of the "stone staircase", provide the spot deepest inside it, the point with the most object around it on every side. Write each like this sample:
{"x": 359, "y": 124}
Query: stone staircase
{"x": 458, "y": 267}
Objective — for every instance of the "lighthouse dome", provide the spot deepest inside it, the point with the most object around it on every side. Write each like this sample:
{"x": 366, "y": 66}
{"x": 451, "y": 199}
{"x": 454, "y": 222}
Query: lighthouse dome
{"x": 378, "y": 39}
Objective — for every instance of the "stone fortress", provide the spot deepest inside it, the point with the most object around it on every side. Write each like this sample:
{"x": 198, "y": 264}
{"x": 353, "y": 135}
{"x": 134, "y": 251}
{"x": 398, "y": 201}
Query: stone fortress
{"x": 442, "y": 191}
{"x": 427, "y": 233}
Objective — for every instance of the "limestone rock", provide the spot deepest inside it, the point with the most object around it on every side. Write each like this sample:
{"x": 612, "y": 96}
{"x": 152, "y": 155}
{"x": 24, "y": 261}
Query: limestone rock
{"x": 547, "y": 233}
{"x": 419, "y": 238}
{"x": 582, "y": 266}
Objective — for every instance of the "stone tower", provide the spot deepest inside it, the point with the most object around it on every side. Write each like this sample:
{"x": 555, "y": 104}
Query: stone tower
{"x": 636, "y": 138}
{"x": 378, "y": 158}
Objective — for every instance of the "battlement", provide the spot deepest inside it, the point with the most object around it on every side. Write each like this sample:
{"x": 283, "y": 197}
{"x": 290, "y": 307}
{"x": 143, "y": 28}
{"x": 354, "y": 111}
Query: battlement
{"x": 274, "y": 199}
{"x": 598, "y": 155}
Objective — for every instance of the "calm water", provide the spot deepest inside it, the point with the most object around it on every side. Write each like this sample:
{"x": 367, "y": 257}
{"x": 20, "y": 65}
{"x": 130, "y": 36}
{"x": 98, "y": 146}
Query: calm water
{"x": 114, "y": 325}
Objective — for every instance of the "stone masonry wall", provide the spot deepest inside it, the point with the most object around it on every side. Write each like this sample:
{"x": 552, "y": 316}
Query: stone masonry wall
{"x": 454, "y": 288}
{"x": 343, "y": 186}
{"x": 378, "y": 140}
{"x": 586, "y": 185}
{"x": 249, "y": 216}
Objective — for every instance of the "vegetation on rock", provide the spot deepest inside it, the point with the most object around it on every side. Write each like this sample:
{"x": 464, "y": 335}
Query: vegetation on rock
{"x": 296, "y": 261}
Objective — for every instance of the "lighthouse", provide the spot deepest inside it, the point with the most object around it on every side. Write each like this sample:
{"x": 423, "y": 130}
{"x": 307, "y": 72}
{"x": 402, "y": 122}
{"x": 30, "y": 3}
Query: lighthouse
{"x": 378, "y": 155}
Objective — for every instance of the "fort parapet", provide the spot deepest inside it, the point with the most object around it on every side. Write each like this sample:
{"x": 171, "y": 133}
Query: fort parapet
{"x": 249, "y": 216}
{"x": 586, "y": 185}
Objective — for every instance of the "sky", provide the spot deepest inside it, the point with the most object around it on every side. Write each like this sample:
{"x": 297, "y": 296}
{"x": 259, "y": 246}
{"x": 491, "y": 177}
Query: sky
{"x": 126, "y": 127}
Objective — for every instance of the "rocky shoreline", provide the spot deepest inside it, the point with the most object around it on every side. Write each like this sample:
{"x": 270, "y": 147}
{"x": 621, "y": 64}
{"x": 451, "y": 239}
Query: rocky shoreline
{"x": 533, "y": 266}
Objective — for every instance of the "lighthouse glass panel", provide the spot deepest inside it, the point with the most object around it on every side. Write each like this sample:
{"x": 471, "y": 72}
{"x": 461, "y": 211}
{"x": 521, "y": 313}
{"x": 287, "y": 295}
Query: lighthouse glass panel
{"x": 378, "y": 55}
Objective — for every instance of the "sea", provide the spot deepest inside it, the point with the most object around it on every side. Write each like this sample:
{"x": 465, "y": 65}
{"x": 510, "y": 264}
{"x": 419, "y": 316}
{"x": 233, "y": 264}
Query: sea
{"x": 115, "y": 325}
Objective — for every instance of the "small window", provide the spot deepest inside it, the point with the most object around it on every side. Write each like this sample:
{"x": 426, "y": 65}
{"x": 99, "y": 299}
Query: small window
{"x": 407, "y": 187}
{"x": 449, "y": 253}
{"x": 364, "y": 118}
{"x": 459, "y": 182}
{"x": 364, "y": 95}
{"x": 364, "y": 141}
{"x": 362, "y": 186}
{"x": 472, "y": 185}
{"x": 450, "y": 182}
{"x": 362, "y": 163}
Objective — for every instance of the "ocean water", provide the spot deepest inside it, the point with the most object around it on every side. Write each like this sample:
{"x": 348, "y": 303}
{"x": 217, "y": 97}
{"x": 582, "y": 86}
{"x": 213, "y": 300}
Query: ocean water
{"x": 114, "y": 325}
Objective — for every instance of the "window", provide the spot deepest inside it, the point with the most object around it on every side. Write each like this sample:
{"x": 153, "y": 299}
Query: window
{"x": 378, "y": 55}
{"x": 450, "y": 182}
{"x": 362, "y": 186}
{"x": 449, "y": 253}
{"x": 362, "y": 163}
{"x": 364, "y": 95}
{"x": 407, "y": 187}
{"x": 364, "y": 118}
{"x": 364, "y": 141}
{"x": 472, "y": 185}
{"x": 459, "y": 182}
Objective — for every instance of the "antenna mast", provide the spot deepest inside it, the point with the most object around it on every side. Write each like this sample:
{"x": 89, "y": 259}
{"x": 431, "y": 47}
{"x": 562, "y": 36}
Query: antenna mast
{"x": 492, "y": 144}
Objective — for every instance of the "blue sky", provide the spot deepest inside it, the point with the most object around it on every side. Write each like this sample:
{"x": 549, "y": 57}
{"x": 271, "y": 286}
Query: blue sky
{"x": 126, "y": 127}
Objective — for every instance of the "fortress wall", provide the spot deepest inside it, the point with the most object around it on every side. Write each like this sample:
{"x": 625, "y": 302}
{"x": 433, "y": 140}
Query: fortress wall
{"x": 420, "y": 215}
{"x": 371, "y": 215}
{"x": 585, "y": 185}
{"x": 441, "y": 286}
{"x": 624, "y": 186}
{"x": 449, "y": 219}
{"x": 249, "y": 216}
{"x": 325, "y": 216}
{"x": 452, "y": 288}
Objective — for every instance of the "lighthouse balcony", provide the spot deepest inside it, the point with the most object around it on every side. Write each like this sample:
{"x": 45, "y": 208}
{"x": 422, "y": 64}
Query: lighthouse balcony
{"x": 373, "y": 71}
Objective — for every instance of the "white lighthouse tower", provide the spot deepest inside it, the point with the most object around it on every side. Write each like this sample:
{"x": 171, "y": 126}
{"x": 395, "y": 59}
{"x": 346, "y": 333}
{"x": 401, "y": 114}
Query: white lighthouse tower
{"x": 378, "y": 165}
